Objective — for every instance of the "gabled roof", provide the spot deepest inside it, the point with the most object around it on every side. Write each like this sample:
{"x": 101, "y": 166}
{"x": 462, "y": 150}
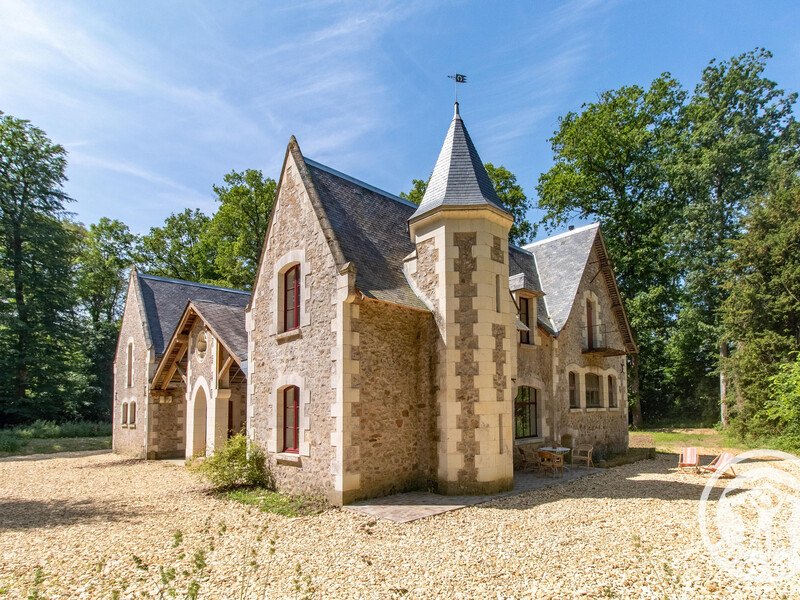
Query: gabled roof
{"x": 165, "y": 299}
{"x": 368, "y": 227}
{"x": 459, "y": 178}
{"x": 561, "y": 261}
{"x": 227, "y": 323}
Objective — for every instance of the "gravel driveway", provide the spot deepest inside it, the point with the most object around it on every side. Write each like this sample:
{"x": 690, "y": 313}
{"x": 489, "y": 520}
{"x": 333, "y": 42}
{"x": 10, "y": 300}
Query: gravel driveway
{"x": 70, "y": 527}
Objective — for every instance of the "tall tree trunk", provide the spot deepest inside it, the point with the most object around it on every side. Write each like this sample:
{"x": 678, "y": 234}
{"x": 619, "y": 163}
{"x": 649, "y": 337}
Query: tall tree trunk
{"x": 633, "y": 390}
{"x": 723, "y": 385}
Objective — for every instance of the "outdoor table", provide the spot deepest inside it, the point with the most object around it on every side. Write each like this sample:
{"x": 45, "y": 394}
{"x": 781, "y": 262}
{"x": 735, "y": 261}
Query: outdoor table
{"x": 559, "y": 450}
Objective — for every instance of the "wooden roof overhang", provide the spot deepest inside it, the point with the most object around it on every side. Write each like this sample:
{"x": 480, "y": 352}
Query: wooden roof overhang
{"x": 171, "y": 370}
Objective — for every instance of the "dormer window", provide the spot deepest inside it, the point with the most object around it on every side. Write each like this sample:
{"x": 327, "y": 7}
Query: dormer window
{"x": 291, "y": 298}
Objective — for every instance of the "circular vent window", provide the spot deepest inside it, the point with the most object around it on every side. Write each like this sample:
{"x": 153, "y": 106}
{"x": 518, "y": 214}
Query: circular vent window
{"x": 201, "y": 346}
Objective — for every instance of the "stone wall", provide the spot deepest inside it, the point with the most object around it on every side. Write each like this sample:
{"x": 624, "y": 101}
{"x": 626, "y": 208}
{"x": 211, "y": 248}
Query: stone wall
{"x": 535, "y": 369}
{"x": 301, "y": 357}
{"x": 167, "y": 425}
{"x": 131, "y": 440}
{"x": 395, "y": 436}
{"x": 605, "y": 428}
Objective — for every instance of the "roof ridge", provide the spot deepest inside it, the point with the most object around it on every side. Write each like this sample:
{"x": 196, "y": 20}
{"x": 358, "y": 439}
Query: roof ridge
{"x": 194, "y": 283}
{"x": 561, "y": 235}
{"x": 363, "y": 184}
{"x": 206, "y": 301}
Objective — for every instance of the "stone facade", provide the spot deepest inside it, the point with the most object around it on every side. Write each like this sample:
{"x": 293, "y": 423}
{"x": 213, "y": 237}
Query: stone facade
{"x": 131, "y": 439}
{"x": 305, "y": 357}
{"x": 546, "y": 364}
{"x": 396, "y": 427}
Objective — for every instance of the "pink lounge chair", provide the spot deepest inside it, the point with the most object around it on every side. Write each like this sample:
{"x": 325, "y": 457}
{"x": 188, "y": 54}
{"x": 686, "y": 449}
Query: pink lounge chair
{"x": 721, "y": 464}
{"x": 689, "y": 458}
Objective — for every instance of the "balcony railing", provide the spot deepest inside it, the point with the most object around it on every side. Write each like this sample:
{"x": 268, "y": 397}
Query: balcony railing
{"x": 595, "y": 341}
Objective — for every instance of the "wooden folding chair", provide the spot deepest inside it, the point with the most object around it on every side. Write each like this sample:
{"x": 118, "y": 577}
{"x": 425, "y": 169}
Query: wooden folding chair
{"x": 721, "y": 464}
{"x": 689, "y": 457}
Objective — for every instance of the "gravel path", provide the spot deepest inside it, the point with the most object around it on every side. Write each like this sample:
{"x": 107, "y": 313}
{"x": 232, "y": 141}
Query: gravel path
{"x": 630, "y": 532}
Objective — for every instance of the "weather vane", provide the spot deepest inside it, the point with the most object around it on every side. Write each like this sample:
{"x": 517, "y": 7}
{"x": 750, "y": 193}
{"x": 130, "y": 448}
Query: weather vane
{"x": 458, "y": 79}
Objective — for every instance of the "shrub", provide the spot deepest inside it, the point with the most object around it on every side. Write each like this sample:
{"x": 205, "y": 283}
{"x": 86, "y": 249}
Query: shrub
{"x": 50, "y": 429}
{"x": 237, "y": 465}
{"x": 9, "y": 442}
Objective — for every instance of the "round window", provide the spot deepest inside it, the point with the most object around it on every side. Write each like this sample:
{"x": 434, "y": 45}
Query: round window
{"x": 201, "y": 345}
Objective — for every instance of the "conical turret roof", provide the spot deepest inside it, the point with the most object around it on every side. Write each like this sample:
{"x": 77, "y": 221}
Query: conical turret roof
{"x": 459, "y": 178}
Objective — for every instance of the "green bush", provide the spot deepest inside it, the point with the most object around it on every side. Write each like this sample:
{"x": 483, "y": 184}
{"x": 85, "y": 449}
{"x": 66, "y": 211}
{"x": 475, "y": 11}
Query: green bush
{"x": 237, "y": 465}
{"x": 9, "y": 442}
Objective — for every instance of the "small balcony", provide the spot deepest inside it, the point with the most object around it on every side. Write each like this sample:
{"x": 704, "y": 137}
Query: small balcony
{"x": 595, "y": 341}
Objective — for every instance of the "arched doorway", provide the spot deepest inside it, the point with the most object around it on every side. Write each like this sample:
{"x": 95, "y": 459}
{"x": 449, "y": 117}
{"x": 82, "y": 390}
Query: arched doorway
{"x": 199, "y": 423}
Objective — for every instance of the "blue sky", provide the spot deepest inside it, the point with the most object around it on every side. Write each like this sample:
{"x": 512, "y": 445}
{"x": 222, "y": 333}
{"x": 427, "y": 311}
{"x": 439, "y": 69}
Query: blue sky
{"x": 156, "y": 100}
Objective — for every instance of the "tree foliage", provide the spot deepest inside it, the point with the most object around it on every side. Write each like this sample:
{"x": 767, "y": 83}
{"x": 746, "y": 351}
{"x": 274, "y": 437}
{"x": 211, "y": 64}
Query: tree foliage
{"x": 37, "y": 250}
{"x": 181, "y": 249}
{"x": 417, "y": 192}
{"x": 762, "y": 313}
{"x": 238, "y": 228}
{"x": 612, "y": 164}
{"x": 739, "y": 128}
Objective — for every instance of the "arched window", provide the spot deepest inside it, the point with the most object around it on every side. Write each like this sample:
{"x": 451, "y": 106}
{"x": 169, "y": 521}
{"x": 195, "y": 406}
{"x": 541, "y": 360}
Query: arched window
{"x": 612, "y": 391}
{"x": 592, "y": 391}
{"x": 132, "y": 413}
{"x": 590, "y": 332}
{"x": 129, "y": 366}
{"x": 291, "y": 410}
{"x": 526, "y": 418}
{"x": 124, "y": 413}
{"x": 291, "y": 298}
{"x": 573, "y": 391}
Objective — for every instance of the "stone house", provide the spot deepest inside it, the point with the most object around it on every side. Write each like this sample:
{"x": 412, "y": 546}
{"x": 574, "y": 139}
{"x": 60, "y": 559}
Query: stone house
{"x": 173, "y": 332}
{"x": 391, "y": 346}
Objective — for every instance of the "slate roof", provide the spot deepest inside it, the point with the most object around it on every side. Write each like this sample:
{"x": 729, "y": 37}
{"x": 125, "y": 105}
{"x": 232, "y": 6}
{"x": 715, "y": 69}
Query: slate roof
{"x": 459, "y": 178}
{"x": 228, "y": 324}
{"x": 165, "y": 299}
{"x": 522, "y": 261}
{"x": 370, "y": 226}
{"x": 561, "y": 261}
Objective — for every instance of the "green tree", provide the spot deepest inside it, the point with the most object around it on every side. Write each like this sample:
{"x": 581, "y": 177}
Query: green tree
{"x": 106, "y": 252}
{"x": 762, "y": 313}
{"x": 181, "y": 249}
{"x": 612, "y": 164}
{"x": 37, "y": 250}
{"x": 508, "y": 190}
{"x": 739, "y": 127}
{"x": 514, "y": 199}
{"x": 239, "y": 226}
{"x": 417, "y": 192}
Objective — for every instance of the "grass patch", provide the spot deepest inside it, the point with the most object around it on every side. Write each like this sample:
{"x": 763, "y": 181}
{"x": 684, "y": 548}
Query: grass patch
{"x": 23, "y": 447}
{"x": 45, "y": 437}
{"x": 277, "y": 503}
{"x": 690, "y": 439}
{"x": 632, "y": 455}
